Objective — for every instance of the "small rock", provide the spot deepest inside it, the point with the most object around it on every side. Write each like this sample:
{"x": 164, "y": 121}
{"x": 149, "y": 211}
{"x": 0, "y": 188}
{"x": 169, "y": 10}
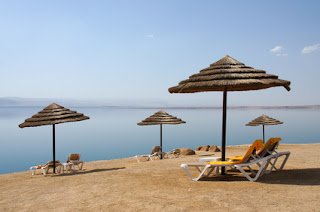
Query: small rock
{"x": 198, "y": 148}
{"x": 214, "y": 148}
{"x": 187, "y": 151}
{"x": 205, "y": 148}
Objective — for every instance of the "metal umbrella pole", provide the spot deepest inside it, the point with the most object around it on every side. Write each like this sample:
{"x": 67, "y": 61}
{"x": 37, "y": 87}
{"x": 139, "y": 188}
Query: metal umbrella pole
{"x": 161, "y": 140}
{"x": 263, "y": 134}
{"x": 54, "y": 148}
{"x": 224, "y": 128}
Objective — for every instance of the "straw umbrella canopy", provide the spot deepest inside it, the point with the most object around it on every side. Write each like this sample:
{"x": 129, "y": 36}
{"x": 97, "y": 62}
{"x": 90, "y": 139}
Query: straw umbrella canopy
{"x": 264, "y": 120}
{"x": 228, "y": 74}
{"x": 52, "y": 115}
{"x": 160, "y": 118}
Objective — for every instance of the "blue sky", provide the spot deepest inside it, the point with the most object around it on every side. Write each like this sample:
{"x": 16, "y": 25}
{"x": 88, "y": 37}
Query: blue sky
{"x": 136, "y": 50}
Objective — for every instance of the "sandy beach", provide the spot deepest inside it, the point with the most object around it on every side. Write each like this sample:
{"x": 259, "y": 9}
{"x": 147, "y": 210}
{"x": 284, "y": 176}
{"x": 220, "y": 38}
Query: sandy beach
{"x": 161, "y": 185}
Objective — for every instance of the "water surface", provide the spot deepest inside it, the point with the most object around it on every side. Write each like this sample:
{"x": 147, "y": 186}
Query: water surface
{"x": 113, "y": 133}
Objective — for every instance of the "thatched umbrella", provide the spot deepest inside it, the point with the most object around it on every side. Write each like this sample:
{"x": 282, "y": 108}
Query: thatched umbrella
{"x": 228, "y": 74}
{"x": 161, "y": 118}
{"x": 52, "y": 115}
{"x": 264, "y": 120}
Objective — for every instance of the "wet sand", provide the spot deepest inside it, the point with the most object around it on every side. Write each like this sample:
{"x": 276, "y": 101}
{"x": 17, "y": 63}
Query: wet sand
{"x": 161, "y": 185}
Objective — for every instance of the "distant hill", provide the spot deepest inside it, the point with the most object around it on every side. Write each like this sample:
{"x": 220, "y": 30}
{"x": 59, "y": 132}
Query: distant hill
{"x": 122, "y": 103}
{"x": 17, "y": 101}
{"x": 7, "y": 102}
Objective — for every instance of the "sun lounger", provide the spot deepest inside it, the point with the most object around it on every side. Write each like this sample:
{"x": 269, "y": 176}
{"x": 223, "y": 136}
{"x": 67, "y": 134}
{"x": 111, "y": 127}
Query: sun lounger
{"x": 155, "y": 153}
{"x": 258, "y": 144}
{"x": 262, "y": 163}
{"x": 269, "y": 148}
{"x": 173, "y": 153}
{"x": 75, "y": 160}
{"x": 45, "y": 168}
{"x": 248, "y": 160}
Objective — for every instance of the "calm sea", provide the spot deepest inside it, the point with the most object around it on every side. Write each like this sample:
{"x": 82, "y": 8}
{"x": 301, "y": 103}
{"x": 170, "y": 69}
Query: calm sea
{"x": 114, "y": 133}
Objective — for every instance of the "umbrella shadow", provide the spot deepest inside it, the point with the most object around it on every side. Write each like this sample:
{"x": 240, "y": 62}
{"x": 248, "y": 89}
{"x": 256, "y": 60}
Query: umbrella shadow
{"x": 87, "y": 172}
{"x": 293, "y": 177}
{"x": 285, "y": 177}
{"x": 206, "y": 155}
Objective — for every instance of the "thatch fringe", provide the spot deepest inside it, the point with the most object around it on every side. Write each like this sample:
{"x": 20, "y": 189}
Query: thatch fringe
{"x": 161, "y": 117}
{"x": 229, "y": 74}
{"x": 264, "y": 120}
{"x": 53, "y": 114}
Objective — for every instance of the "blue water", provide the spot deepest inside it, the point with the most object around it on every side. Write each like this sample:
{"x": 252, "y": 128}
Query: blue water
{"x": 114, "y": 133}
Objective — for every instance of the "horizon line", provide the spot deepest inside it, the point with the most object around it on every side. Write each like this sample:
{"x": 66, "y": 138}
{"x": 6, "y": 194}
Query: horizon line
{"x": 178, "y": 107}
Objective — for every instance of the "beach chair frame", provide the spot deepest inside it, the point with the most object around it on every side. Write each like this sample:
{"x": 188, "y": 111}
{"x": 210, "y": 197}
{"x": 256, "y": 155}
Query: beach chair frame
{"x": 262, "y": 163}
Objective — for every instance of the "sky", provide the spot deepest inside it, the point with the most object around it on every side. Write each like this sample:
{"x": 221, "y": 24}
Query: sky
{"x": 127, "y": 50}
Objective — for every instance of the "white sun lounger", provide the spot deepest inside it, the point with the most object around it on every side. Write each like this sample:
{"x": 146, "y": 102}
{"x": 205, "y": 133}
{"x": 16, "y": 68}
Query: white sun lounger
{"x": 45, "y": 168}
{"x": 268, "y": 149}
{"x": 209, "y": 168}
{"x": 156, "y": 152}
{"x": 147, "y": 157}
{"x": 75, "y": 160}
{"x": 173, "y": 153}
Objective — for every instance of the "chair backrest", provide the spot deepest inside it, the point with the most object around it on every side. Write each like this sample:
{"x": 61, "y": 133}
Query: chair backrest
{"x": 74, "y": 157}
{"x": 50, "y": 163}
{"x": 252, "y": 151}
{"x": 250, "y": 155}
{"x": 270, "y": 146}
{"x": 155, "y": 149}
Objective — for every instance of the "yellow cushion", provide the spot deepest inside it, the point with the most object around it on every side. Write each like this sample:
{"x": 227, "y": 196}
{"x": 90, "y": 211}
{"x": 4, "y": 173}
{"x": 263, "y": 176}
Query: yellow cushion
{"x": 255, "y": 145}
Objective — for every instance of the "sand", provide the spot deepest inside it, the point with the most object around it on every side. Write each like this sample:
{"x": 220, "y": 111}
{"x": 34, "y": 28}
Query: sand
{"x": 161, "y": 185}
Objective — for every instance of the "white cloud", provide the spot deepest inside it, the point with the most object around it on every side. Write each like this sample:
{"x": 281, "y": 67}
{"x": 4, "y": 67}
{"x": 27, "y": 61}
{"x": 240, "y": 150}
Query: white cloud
{"x": 150, "y": 36}
{"x": 282, "y": 54}
{"x": 276, "y": 49}
{"x": 309, "y": 49}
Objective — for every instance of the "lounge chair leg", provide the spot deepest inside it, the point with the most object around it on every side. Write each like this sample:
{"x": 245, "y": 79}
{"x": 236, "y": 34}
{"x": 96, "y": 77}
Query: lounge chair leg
{"x": 199, "y": 169}
{"x": 209, "y": 172}
{"x": 33, "y": 170}
{"x": 253, "y": 171}
{"x": 80, "y": 166}
{"x": 44, "y": 171}
{"x": 217, "y": 171}
{"x": 184, "y": 166}
{"x": 287, "y": 154}
{"x": 272, "y": 164}
{"x": 284, "y": 161}
{"x": 262, "y": 168}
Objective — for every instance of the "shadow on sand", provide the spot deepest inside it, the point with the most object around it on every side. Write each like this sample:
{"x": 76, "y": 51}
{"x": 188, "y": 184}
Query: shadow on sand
{"x": 286, "y": 177}
{"x": 86, "y": 172}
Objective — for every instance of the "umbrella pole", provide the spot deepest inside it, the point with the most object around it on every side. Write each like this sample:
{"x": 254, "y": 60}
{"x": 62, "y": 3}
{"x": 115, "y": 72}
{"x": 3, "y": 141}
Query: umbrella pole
{"x": 161, "y": 140}
{"x": 263, "y": 132}
{"x": 224, "y": 124}
{"x": 54, "y": 148}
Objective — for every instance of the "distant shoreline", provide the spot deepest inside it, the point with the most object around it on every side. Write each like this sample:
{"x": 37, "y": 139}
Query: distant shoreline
{"x": 178, "y": 107}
